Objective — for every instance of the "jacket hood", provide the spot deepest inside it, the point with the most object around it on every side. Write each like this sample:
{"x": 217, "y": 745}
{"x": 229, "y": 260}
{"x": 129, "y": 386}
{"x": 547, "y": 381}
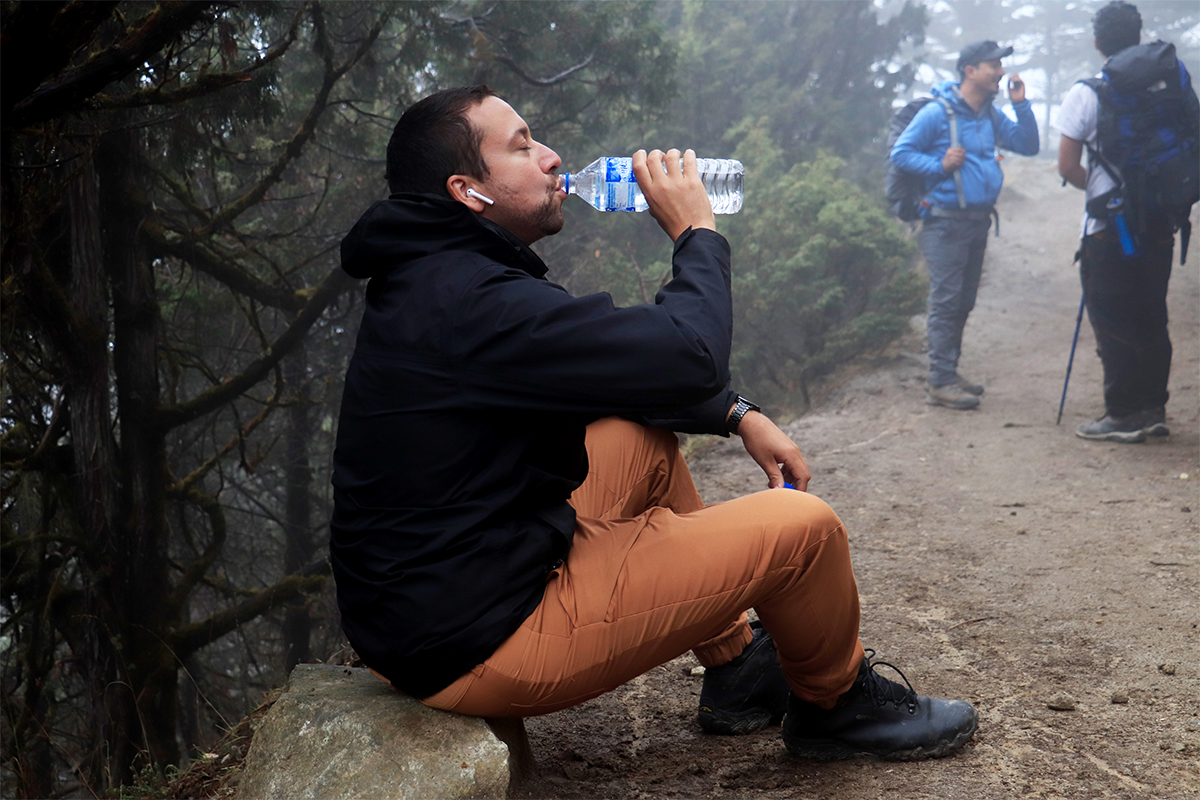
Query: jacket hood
{"x": 948, "y": 90}
{"x": 406, "y": 227}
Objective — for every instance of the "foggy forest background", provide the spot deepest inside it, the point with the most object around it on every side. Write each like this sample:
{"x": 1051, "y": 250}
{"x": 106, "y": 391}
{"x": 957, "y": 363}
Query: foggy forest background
{"x": 176, "y": 180}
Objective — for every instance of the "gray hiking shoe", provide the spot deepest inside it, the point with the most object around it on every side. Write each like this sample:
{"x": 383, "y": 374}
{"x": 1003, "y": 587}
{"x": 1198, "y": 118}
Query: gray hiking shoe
{"x": 1154, "y": 422}
{"x": 968, "y": 387}
{"x": 1126, "y": 430}
{"x": 952, "y": 395}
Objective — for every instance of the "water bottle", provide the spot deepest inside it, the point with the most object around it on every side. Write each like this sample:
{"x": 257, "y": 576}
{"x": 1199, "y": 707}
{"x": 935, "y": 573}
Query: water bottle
{"x": 607, "y": 184}
{"x": 1116, "y": 215}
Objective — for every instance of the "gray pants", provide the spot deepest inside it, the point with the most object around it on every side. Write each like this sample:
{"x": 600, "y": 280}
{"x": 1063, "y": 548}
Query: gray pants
{"x": 953, "y": 250}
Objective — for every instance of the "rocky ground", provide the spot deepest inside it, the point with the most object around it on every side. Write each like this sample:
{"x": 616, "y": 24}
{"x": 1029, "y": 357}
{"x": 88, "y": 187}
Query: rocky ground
{"x": 999, "y": 559}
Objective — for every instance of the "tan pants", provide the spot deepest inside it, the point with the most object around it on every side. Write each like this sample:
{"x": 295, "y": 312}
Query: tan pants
{"x": 653, "y": 574}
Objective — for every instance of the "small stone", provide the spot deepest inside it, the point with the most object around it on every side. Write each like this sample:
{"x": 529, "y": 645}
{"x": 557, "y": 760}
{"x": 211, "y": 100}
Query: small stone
{"x": 1120, "y": 698}
{"x": 1192, "y": 724}
{"x": 1167, "y": 669}
{"x": 1183, "y": 476}
{"x": 1179, "y": 747}
{"x": 1021, "y": 531}
{"x": 1061, "y": 702}
{"x": 697, "y": 672}
{"x": 1186, "y": 509}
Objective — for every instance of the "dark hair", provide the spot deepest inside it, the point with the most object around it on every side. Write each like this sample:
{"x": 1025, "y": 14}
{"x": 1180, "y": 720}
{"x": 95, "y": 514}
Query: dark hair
{"x": 434, "y": 140}
{"x": 1118, "y": 25}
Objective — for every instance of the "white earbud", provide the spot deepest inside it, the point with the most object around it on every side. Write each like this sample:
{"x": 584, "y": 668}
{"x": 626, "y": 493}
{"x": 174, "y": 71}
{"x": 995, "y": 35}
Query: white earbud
{"x": 488, "y": 200}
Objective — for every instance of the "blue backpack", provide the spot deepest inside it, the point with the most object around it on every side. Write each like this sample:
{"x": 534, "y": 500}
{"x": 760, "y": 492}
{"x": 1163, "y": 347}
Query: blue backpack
{"x": 1147, "y": 141}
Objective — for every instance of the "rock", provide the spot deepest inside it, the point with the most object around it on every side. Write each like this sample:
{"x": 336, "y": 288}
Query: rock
{"x": 1192, "y": 724}
{"x": 1167, "y": 669}
{"x": 1061, "y": 702}
{"x": 341, "y": 732}
{"x": 697, "y": 672}
{"x": 1120, "y": 698}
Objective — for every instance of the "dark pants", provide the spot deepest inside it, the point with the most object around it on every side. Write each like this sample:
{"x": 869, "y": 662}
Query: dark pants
{"x": 953, "y": 250}
{"x": 1127, "y": 306}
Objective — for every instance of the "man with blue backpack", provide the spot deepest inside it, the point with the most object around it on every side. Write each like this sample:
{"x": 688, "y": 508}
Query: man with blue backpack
{"x": 1138, "y": 121}
{"x": 951, "y": 144}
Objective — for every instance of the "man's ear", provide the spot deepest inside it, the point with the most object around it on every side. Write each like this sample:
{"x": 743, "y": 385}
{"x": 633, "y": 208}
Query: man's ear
{"x": 457, "y": 186}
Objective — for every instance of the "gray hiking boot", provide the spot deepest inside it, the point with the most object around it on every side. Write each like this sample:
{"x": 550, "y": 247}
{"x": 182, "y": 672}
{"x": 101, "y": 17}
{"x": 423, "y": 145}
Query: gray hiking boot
{"x": 968, "y": 387}
{"x": 952, "y": 395}
{"x": 1126, "y": 430}
{"x": 1154, "y": 422}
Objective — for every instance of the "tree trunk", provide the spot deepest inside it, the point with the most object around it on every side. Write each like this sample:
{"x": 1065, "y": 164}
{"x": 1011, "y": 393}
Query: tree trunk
{"x": 144, "y": 708}
{"x": 297, "y": 623}
{"x": 95, "y": 459}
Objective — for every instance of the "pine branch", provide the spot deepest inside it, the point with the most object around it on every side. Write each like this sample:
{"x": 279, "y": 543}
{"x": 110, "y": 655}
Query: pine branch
{"x": 195, "y": 571}
{"x": 39, "y": 40}
{"x": 308, "y": 126}
{"x": 552, "y": 80}
{"x": 159, "y": 28}
{"x": 207, "y": 83}
{"x": 205, "y": 257}
{"x": 190, "y": 638}
{"x": 319, "y": 298}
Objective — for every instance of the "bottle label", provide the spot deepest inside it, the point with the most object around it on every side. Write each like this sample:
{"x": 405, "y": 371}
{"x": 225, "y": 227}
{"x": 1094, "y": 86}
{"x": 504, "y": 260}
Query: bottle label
{"x": 618, "y": 184}
{"x": 618, "y": 170}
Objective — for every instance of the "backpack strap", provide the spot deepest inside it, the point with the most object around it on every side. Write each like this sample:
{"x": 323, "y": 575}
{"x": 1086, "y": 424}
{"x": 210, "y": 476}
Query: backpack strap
{"x": 1097, "y": 85}
{"x": 958, "y": 184}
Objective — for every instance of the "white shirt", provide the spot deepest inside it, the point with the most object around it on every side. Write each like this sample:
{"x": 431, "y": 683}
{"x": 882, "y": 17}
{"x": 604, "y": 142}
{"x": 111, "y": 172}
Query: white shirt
{"x": 1077, "y": 118}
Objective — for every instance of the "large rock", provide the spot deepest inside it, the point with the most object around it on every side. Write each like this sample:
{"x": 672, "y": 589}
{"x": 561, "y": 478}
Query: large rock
{"x": 339, "y": 732}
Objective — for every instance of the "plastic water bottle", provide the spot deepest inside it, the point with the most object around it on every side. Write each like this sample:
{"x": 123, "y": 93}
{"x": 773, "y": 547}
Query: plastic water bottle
{"x": 607, "y": 184}
{"x": 1116, "y": 213}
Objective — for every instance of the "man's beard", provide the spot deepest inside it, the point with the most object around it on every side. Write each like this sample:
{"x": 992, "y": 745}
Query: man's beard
{"x": 549, "y": 217}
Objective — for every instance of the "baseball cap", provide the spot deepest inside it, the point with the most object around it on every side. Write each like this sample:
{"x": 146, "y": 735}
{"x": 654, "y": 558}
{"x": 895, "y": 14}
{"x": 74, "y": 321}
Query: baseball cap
{"x": 976, "y": 52}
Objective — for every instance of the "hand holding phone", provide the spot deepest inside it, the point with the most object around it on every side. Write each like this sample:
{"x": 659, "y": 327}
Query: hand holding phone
{"x": 1016, "y": 88}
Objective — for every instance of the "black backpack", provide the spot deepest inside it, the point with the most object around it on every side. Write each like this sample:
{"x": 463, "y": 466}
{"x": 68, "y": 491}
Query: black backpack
{"x": 1147, "y": 141}
{"x": 906, "y": 190}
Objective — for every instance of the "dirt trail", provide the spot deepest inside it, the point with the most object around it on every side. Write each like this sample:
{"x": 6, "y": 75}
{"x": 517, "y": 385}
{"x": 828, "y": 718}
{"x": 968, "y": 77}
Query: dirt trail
{"x": 999, "y": 558}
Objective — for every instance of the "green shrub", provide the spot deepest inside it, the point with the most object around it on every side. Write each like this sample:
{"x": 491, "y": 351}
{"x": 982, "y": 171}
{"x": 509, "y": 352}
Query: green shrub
{"x": 821, "y": 274}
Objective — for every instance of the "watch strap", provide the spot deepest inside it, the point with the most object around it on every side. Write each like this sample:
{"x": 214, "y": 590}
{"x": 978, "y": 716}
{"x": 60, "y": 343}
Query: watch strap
{"x": 740, "y": 409}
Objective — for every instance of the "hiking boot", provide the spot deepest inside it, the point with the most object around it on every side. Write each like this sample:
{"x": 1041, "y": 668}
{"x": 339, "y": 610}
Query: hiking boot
{"x": 952, "y": 395}
{"x": 1126, "y": 430}
{"x": 968, "y": 387}
{"x": 747, "y": 694}
{"x": 878, "y": 717}
{"x": 1154, "y": 422}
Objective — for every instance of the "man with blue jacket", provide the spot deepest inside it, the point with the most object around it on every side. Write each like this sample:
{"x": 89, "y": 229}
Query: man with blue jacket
{"x": 952, "y": 143}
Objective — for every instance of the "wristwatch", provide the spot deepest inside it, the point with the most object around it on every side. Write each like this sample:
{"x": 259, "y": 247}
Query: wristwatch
{"x": 740, "y": 409}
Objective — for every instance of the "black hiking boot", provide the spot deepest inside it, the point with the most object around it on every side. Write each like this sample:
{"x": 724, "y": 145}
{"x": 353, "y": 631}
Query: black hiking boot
{"x": 878, "y": 717}
{"x": 747, "y": 694}
{"x": 1154, "y": 422}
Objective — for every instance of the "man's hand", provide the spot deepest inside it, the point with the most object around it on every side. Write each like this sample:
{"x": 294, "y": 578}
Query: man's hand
{"x": 1016, "y": 88}
{"x": 676, "y": 197}
{"x": 953, "y": 159}
{"x": 772, "y": 449}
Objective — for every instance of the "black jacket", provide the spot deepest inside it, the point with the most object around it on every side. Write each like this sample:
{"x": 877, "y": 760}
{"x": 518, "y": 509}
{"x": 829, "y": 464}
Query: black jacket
{"x": 462, "y": 423}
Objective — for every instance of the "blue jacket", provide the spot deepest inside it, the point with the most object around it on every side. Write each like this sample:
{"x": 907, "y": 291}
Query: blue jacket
{"x": 924, "y": 143}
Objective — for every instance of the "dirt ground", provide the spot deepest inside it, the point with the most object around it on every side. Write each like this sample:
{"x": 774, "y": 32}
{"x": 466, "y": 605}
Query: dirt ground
{"x": 999, "y": 558}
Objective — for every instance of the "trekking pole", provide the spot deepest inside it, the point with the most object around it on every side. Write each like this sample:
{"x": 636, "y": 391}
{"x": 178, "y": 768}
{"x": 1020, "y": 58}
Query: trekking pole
{"x": 1071, "y": 360}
